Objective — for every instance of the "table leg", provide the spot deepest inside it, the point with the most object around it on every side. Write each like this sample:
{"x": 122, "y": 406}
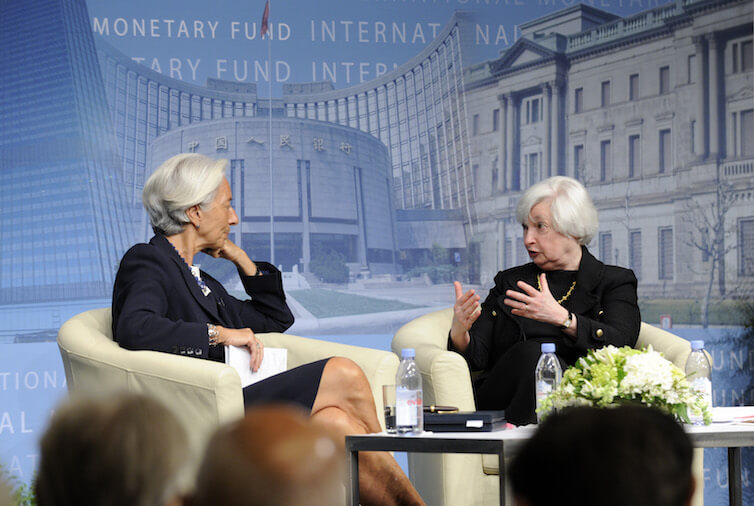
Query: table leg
{"x": 501, "y": 470}
{"x": 734, "y": 476}
{"x": 352, "y": 461}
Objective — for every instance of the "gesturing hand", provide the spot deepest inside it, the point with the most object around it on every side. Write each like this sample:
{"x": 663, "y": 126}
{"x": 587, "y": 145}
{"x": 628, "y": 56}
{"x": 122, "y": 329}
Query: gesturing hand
{"x": 535, "y": 305}
{"x": 465, "y": 313}
{"x": 243, "y": 338}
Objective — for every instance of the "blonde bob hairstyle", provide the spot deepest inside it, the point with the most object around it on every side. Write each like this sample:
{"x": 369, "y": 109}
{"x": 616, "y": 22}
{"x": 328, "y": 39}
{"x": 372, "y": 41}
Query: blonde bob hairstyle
{"x": 183, "y": 181}
{"x": 573, "y": 212}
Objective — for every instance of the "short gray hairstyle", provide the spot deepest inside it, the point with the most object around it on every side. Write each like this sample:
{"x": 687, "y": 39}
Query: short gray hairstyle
{"x": 183, "y": 181}
{"x": 573, "y": 212}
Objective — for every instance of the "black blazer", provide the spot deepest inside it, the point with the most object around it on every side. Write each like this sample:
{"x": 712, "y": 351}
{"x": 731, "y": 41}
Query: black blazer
{"x": 604, "y": 303}
{"x": 158, "y": 305}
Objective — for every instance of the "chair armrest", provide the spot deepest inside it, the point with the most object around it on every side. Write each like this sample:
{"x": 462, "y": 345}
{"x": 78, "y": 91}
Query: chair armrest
{"x": 202, "y": 393}
{"x": 674, "y": 348}
{"x": 445, "y": 378}
{"x": 445, "y": 374}
{"x": 379, "y": 366}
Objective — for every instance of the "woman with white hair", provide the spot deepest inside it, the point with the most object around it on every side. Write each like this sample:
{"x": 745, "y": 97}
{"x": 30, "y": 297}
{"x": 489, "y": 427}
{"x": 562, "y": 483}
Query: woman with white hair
{"x": 163, "y": 302}
{"x": 564, "y": 296}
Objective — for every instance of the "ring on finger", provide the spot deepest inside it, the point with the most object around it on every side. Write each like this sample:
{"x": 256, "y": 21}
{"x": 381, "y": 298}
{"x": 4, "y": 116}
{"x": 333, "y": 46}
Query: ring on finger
{"x": 259, "y": 345}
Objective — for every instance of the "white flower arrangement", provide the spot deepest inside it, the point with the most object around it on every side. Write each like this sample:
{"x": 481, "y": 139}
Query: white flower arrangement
{"x": 610, "y": 376}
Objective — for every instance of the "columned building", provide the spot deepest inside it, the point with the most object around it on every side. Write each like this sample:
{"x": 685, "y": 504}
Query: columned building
{"x": 654, "y": 113}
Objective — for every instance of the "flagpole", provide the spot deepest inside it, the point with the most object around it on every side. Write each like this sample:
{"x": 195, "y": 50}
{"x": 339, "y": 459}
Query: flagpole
{"x": 269, "y": 116}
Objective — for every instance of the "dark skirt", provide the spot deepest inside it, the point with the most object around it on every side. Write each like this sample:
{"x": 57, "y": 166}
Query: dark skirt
{"x": 297, "y": 386}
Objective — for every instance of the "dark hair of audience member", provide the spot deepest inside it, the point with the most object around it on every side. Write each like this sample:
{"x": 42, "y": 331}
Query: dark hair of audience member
{"x": 274, "y": 456}
{"x": 626, "y": 456}
{"x": 126, "y": 450}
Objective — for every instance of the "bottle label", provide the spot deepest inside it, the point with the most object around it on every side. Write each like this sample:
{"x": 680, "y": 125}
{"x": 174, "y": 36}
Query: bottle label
{"x": 703, "y": 387}
{"x": 408, "y": 405}
{"x": 543, "y": 390}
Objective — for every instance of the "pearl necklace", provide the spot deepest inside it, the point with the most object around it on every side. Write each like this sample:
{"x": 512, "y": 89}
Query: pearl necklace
{"x": 564, "y": 297}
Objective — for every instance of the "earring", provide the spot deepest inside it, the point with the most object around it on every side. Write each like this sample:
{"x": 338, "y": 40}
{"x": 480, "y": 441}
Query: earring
{"x": 196, "y": 226}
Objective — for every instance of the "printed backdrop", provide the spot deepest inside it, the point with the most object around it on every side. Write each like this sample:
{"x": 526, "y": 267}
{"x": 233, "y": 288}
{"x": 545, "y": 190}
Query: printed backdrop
{"x": 377, "y": 150}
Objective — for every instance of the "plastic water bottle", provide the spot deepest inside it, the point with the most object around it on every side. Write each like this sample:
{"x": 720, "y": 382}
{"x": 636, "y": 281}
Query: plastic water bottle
{"x": 547, "y": 374}
{"x": 409, "y": 413}
{"x": 698, "y": 375}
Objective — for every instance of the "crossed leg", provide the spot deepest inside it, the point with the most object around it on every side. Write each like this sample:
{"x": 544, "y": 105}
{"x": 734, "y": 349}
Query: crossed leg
{"x": 344, "y": 402}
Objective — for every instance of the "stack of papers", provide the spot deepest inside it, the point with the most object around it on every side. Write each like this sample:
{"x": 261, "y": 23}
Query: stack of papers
{"x": 274, "y": 362}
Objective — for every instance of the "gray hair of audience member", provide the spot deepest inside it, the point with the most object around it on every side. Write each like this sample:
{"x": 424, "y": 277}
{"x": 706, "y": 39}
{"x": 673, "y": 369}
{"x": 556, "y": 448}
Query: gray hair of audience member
{"x": 623, "y": 456}
{"x": 274, "y": 456}
{"x": 125, "y": 450}
{"x": 183, "y": 181}
{"x": 573, "y": 212}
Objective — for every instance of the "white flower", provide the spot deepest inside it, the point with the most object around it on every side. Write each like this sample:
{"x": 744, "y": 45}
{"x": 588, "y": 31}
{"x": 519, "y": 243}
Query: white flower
{"x": 610, "y": 375}
{"x": 647, "y": 372}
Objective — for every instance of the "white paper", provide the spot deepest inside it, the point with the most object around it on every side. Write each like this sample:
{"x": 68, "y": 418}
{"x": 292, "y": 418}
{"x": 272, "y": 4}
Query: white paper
{"x": 274, "y": 362}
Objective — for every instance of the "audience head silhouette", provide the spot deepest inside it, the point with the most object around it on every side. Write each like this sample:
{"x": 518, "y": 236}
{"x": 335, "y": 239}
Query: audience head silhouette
{"x": 624, "y": 456}
{"x": 126, "y": 450}
{"x": 274, "y": 456}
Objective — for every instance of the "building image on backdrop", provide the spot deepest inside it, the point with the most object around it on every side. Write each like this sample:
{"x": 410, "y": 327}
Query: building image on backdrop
{"x": 416, "y": 168}
{"x": 417, "y": 111}
{"x": 330, "y": 188}
{"x": 654, "y": 113}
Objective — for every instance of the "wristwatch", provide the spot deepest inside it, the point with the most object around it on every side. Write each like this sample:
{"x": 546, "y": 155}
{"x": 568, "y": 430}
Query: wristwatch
{"x": 213, "y": 334}
{"x": 567, "y": 322}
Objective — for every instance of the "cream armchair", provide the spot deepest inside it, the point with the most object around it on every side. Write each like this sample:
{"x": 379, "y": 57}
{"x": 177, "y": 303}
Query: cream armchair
{"x": 203, "y": 393}
{"x": 470, "y": 480}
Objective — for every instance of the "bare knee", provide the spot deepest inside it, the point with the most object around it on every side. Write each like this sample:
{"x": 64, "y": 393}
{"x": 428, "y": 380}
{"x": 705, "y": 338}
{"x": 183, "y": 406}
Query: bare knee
{"x": 346, "y": 372}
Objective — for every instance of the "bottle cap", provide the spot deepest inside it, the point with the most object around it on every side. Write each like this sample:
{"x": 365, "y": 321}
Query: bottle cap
{"x": 408, "y": 353}
{"x": 697, "y": 345}
{"x": 548, "y": 347}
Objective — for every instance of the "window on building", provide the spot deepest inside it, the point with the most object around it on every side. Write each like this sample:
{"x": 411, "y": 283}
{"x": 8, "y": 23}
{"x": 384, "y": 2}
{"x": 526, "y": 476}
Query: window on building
{"x": 495, "y": 120}
{"x": 606, "y": 247}
{"x": 522, "y": 254}
{"x": 692, "y": 128}
{"x": 475, "y": 125}
{"x": 665, "y": 251}
{"x": 604, "y": 160}
{"x": 691, "y": 78}
{"x": 634, "y": 252}
{"x": 578, "y": 161}
{"x": 747, "y": 56}
{"x": 236, "y": 180}
{"x": 664, "y": 154}
{"x": 633, "y": 87}
{"x": 578, "y": 100}
{"x": 664, "y": 80}
{"x": 705, "y": 245}
{"x": 507, "y": 253}
{"x": 746, "y": 247}
{"x": 533, "y": 110}
{"x": 605, "y": 94}
{"x": 532, "y": 163}
{"x": 741, "y": 53}
{"x": 747, "y": 132}
{"x": 634, "y": 155}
